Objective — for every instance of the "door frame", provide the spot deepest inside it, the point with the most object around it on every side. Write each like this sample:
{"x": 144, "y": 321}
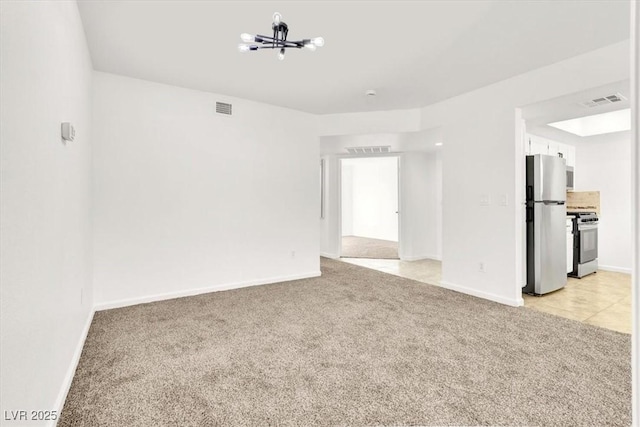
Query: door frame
{"x": 340, "y": 158}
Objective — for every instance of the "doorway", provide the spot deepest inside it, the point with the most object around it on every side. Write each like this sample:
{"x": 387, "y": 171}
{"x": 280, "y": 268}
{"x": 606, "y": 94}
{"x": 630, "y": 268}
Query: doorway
{"x": 596, "y": 283}
{"x": 369, "y": 207}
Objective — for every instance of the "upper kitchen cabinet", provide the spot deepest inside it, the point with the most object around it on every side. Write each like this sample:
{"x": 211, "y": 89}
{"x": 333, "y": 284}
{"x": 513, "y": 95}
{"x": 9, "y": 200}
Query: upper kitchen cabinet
{"x": 568, "y": 152}
{"x": 538, "y": 145}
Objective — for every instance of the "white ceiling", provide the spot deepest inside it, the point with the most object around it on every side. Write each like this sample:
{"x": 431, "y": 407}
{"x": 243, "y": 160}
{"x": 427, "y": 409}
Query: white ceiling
{"x": 412, "y": 53}
{"x": 569, "y": 106}
{"x": 539, "y": 115}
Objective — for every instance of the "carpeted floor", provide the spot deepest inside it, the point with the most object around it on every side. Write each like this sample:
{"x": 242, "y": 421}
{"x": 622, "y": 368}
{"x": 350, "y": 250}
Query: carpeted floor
{"x": 353, "y": 347}
{"x": 365, "y": 247}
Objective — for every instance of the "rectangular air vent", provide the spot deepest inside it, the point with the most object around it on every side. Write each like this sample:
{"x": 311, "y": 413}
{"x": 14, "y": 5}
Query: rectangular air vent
{"x": 369, "y": 150}
{"x": 604, "y": 100}
{"x": 223, "y": 108}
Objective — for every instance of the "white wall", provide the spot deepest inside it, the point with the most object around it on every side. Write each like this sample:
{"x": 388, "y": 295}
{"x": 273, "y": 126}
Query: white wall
{"x": 376, "y": 122}
{"x": 482, "y": 157}
{"x": 438, "y": 207}
{"x": 421, "y": 210}
{"x": 45, "y": 241}
{"x": 603, "y": 165}
{"x": 420, "y": 167}
{"x": 330, "y": 235}
{"x": 370, "y": 197}
{"x": 396, "y": 141}
{"x": 420, "y": 213}
{"x": 188, "y": 200}
{"x": 347, "y": 198}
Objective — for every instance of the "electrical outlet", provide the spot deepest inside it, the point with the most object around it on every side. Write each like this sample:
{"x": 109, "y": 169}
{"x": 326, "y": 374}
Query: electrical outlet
{"x": 293, "y": 254}
{"x": 481, "y": 268}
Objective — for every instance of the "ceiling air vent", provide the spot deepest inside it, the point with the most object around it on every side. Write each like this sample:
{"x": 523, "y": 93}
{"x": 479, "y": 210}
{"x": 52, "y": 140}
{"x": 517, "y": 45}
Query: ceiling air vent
{"x": 223, "y": 108}
{"x": 609, "y": 99}
{"x": 370, "y": 150}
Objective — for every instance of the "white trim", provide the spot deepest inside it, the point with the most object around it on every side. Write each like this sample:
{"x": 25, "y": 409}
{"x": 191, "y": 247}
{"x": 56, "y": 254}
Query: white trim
{"x": 635, "y": 207}
{"x": 519, "y": 201}
{"x": 71, "y": 370}
{"x": 420, "y": 257}
{"x": 513, "y": 302}
{"x": 615, "y": 269}
{"x": 197, "y": 291}
{"x": 328, "y": 255}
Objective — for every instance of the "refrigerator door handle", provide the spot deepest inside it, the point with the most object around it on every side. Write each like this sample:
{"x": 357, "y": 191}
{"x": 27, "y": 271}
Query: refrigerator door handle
{"x": 529, "y": 214}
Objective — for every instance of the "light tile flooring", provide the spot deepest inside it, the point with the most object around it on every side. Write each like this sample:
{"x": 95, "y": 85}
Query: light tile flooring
{"x": 602, "y": 299}
{"x": 424, "y": 270}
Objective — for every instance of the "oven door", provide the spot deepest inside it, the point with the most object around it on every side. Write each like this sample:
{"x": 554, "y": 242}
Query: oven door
{"x": 588, "y": 242}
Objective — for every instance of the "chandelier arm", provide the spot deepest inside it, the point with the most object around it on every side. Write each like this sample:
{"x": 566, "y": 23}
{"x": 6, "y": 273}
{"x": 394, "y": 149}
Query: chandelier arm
{"x": 281, "y": 43}
{"x": 279, "y": 46}
{"x": 291, "y": 44}
{"x": 268, "y": 44}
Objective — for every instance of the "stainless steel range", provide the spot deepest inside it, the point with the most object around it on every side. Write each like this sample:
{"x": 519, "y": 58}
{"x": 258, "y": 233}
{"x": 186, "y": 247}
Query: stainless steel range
{"x": 585, "y": 243}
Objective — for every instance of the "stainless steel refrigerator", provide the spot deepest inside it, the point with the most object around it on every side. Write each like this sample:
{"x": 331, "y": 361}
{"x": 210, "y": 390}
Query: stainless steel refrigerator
{"x": 546, "y": 194}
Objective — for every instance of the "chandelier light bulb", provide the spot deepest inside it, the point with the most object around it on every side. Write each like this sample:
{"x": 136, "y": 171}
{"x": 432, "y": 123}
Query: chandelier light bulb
{"x": 246, "y": 37}
{"x": 318, "y": 41}
{"x": 281, "y": 54}
{"x": 310, "y": 46}
{"x": 243, "y": 48}
{"x": 277, "y": 18}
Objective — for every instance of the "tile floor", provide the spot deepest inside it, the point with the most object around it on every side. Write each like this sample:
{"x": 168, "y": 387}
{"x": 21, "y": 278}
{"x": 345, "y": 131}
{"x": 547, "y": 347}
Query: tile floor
{"x": 602, "y": 299}
{"x": 424, "y": 270}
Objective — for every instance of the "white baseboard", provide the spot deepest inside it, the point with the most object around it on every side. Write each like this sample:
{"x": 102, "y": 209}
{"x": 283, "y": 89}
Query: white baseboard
{"x": 513, "y": 302}
{"x": 614, "y": 269}
{"x": 419, "y": 257}
{"x": 71, "y": 370}
{"x": 190, "y": 292}
{"x": 328, "y": 255}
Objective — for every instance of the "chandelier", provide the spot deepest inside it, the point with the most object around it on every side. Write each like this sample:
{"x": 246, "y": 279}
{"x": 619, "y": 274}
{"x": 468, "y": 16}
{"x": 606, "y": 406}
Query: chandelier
{"x": 278, "y": 41}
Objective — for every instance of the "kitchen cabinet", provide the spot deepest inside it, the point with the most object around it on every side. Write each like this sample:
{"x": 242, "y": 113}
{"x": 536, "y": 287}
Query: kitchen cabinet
{"x": 538, "y": 145}
{"x": 569, "y": 153}
{"x": 566, "y": 151}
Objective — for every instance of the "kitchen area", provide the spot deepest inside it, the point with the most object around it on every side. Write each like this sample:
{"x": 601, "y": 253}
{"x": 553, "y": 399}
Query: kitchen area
{"x": 577, "y": 207}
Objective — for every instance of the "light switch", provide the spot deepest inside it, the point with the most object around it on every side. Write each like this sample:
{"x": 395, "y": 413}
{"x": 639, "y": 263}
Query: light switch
{"x": 485, "y": 200}
{"x": 504, "y": 200}
{"x": 68, "y": 132}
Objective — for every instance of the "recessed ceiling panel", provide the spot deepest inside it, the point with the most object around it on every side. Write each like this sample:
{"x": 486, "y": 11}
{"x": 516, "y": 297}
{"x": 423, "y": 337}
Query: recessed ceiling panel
{"x": 597, "y": 124}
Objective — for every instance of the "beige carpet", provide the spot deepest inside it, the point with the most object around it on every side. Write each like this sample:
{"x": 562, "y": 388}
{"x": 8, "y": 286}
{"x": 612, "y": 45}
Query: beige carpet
{"x": 365, "y": 247}
{"x": 353, "y": 347}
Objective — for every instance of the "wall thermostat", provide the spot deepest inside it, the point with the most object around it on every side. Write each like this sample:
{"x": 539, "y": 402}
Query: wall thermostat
{"x": 68, "y": 132}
